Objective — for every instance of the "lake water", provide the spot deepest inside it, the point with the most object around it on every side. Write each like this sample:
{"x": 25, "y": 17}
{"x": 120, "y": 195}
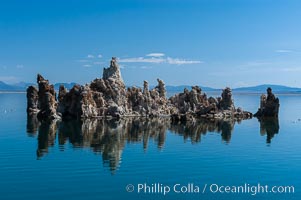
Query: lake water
{"x": 99, "y": 159}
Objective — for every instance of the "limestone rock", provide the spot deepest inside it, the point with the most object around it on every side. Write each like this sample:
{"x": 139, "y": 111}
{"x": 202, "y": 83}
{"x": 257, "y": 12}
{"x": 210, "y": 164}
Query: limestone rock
{"x": 190, "y": 101}
{"x": 193, "y": 104}
{"x": 146, "y": 89}
{"x": 88, "y": 105}
{"x": 226, "y": 102}
{"x": 32, "y": 99}
{"x": 108, "y": 97}
{"x": 113, "y": 71}
{"x": 110, "y": 88}
{"x": 47, "y": 103}
{"x": 269, "y": 105}
{"x": 77, "y": 103}
{"x": 148, "y": 103}
{"x": 62, "y": 93}
{"x": 161, "y": 88}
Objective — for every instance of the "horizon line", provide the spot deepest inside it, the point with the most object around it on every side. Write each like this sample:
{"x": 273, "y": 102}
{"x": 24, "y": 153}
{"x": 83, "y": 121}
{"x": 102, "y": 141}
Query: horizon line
{"x": 166, "y": 85}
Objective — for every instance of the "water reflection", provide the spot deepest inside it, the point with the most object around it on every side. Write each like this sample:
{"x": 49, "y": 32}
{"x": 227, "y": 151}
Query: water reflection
{"x": 105, "y": 137}
{"x": 194, "y": 129}
{"x": 109, "y": 137}
{"x": 269, "y": 127}
{"x": 32, "y": 124}
{"x": 46, "y": 137}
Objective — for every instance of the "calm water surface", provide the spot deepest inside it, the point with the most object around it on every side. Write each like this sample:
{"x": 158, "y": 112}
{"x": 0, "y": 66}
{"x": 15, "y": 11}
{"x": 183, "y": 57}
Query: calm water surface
{"x": 98, "y": 159}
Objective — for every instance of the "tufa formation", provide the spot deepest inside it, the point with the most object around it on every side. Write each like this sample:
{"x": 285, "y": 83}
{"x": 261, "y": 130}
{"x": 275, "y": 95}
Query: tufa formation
{"x": 269, "y": 105}
{"x": 108, "y": 97}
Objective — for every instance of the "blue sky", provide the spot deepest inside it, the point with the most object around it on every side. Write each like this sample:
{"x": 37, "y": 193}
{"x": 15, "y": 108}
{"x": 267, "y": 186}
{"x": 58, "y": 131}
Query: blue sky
{"x": 213, "y": 43}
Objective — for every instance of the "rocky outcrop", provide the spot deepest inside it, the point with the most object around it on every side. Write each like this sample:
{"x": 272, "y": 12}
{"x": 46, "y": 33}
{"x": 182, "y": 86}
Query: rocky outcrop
{"x": 108, "y": 97}
{"x": 113, "y": 72}
{"x": 269, "y": 105}
{"x": 194, "y": 104}
{"x": 226, "y": 102}
{"x": 161, "y": 88}
{"x": 32, "y": 99}
{"x": 42, "y": 101}
{"x": 148, "y": 103}
{"x": 77, "y": 103}
{"x": 109, "y": 93}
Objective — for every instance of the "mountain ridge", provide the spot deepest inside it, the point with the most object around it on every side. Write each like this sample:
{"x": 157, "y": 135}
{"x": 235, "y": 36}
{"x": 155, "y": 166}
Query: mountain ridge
{"x": 22, "y": 86}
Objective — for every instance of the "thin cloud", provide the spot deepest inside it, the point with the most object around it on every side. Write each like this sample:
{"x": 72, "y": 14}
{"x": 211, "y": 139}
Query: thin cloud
{"x": 178, "y": 61}
{"x": 283, "y": 51}
{"x": 155, "y": 55}
{"x": 158, "y": 60}
{"x": 142, "y": 60}
{"x": 155, "y": 58}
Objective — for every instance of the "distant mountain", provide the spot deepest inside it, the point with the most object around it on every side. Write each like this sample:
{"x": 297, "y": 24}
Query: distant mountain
{"x": 262, "y": 89}
{"x": 253, "y": 89}
{"x": 181, "y": 88}
{"x": 22, "y": 86}
{"x": 7, "y": 87}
